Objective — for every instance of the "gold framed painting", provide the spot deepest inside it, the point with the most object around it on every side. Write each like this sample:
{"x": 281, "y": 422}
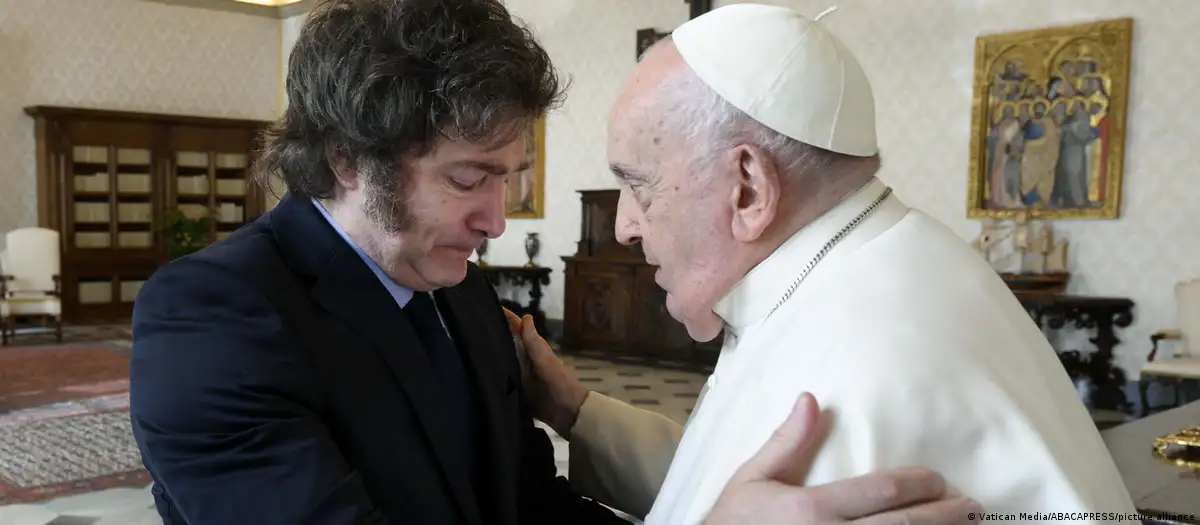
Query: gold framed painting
{"x": 526, "y": 193}
{"x": 1048, "y": 122}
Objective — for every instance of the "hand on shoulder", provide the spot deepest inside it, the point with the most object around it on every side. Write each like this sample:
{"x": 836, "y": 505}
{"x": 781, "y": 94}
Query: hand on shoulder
{"x": 554, "y": 393}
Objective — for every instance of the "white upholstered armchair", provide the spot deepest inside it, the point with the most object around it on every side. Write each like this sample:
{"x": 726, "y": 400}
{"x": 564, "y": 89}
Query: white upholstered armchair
{"x": 1184, "y": 363}
{"x": 30, "y": 278}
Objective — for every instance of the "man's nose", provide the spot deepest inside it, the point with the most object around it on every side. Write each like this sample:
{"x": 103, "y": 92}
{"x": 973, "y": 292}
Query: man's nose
{"x": 626, "y": 228}
{"x": 489, "y": 218}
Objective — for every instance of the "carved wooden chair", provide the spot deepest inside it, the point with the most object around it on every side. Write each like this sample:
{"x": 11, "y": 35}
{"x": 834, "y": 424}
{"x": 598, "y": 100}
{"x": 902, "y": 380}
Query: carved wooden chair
{"x": 31, "y": 278}
{"x": 1184, "y": 364}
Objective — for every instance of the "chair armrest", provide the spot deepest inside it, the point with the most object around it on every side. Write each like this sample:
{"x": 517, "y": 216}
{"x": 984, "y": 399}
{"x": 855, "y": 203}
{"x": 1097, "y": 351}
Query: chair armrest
{"x": 1171, "y": 335}
{"x": 4, "y": 279}
{"x": 57, "y": 291}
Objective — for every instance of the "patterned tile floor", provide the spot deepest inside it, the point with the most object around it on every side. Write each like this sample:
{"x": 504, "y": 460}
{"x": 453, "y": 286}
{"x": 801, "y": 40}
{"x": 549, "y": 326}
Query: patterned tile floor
{"x": 671, "y": 393}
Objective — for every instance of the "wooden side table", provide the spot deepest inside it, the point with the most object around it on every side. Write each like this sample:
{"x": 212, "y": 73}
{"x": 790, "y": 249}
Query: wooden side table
{"x": 1103, "y": 316}
{"x": 535, "y": 277}
{"x": 1158, "y": 487}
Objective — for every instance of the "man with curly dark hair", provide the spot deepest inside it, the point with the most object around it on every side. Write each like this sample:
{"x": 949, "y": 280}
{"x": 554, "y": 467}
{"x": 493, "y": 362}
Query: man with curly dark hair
{"x": 339, "y": 361}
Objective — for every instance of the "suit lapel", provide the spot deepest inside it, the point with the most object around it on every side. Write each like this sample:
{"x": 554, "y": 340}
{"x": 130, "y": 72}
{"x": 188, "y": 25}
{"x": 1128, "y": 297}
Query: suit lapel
{"x": 348, "y": 289}
{"x": 484, "y": 361}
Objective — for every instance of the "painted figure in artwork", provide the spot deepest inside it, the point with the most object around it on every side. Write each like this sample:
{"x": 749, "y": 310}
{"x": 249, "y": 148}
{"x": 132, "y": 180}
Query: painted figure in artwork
{"x": 1005, "y": 146}
{"x": 1048, "y": 142}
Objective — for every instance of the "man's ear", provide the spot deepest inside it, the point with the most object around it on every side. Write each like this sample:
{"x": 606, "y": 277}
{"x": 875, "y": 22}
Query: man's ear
{"x": 756, "y": 192}
{"x": 340, "y": 165}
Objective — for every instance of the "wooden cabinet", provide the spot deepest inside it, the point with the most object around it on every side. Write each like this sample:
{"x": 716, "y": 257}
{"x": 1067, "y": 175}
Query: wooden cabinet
{"x": 612, "y": 306}
{"x": 658, "y": 333}
{"x": 105, "y": 180}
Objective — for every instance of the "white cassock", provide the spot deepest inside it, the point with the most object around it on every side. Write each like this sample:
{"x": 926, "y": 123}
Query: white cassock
{"x": 916, "y": 348}
{"x": 913, "y": 344}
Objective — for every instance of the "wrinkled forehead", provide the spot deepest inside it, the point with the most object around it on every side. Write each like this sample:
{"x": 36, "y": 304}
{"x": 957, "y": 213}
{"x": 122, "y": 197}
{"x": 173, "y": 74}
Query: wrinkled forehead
{"x": 631, "y": 124}
{"x": 636, "y": 118}
{"x": 637, "y": 145}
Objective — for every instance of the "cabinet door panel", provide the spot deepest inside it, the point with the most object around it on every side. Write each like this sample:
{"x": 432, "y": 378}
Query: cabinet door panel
{"x": 598, "y": 305}
{"x": 605, "y": 307}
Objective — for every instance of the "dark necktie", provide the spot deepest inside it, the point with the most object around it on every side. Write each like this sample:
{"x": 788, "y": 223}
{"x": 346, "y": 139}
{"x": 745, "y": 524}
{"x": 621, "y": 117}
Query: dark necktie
{"x": 454, "y": 386}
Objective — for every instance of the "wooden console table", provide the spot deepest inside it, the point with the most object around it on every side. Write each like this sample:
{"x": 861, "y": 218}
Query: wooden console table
{"x": 1102, "y": 315}
{"x": 535, "y": 277}
{"x": 1158, "y": 488}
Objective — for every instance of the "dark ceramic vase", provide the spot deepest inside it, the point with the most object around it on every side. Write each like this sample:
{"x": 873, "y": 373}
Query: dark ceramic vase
{"x": 532, "y": 246}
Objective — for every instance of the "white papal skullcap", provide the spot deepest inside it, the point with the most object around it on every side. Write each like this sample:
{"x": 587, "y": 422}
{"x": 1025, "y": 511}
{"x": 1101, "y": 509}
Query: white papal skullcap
{"x": 785, "y": 71}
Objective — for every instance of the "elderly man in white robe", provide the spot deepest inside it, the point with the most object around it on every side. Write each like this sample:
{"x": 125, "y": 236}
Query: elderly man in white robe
{"x": 745, "y": 146}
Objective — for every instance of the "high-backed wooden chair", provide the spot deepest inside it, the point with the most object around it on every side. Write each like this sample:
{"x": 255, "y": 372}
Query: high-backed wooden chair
{"x": 31, "y": 277}
{"x": 1184, "y": 363}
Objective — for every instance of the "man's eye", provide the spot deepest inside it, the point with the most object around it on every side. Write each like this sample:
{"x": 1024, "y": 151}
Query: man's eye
{"x": 468, "y": 182}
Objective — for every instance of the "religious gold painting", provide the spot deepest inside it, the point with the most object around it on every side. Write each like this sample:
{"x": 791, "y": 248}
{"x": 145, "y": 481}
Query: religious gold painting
{"x": 525, "y": 196}
{"x": 1048, "y": 122}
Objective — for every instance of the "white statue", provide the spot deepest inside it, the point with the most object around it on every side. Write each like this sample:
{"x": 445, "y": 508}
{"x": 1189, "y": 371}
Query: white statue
{"x": 1043, "y": 244}
{"x": 988, "y": 236}
{"x": 1056, "y": 260}
{"x": 1022, "y": 244}
{"x": 1021, "y": 247}
{"x": 994, "y": 244}
{"x": 1021, "y": 234}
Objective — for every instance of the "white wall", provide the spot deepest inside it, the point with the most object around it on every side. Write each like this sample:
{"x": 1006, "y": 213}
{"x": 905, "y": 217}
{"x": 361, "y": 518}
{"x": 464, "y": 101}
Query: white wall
{"x": 289, "y": 32}
{"x": 919, "y": 55}
{"x": 123, "y": 55}
{"x": 593, "y": 44}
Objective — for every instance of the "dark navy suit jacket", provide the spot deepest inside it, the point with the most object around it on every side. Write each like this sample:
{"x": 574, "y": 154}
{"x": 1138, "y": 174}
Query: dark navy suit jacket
{"x": 275, "y": 381}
